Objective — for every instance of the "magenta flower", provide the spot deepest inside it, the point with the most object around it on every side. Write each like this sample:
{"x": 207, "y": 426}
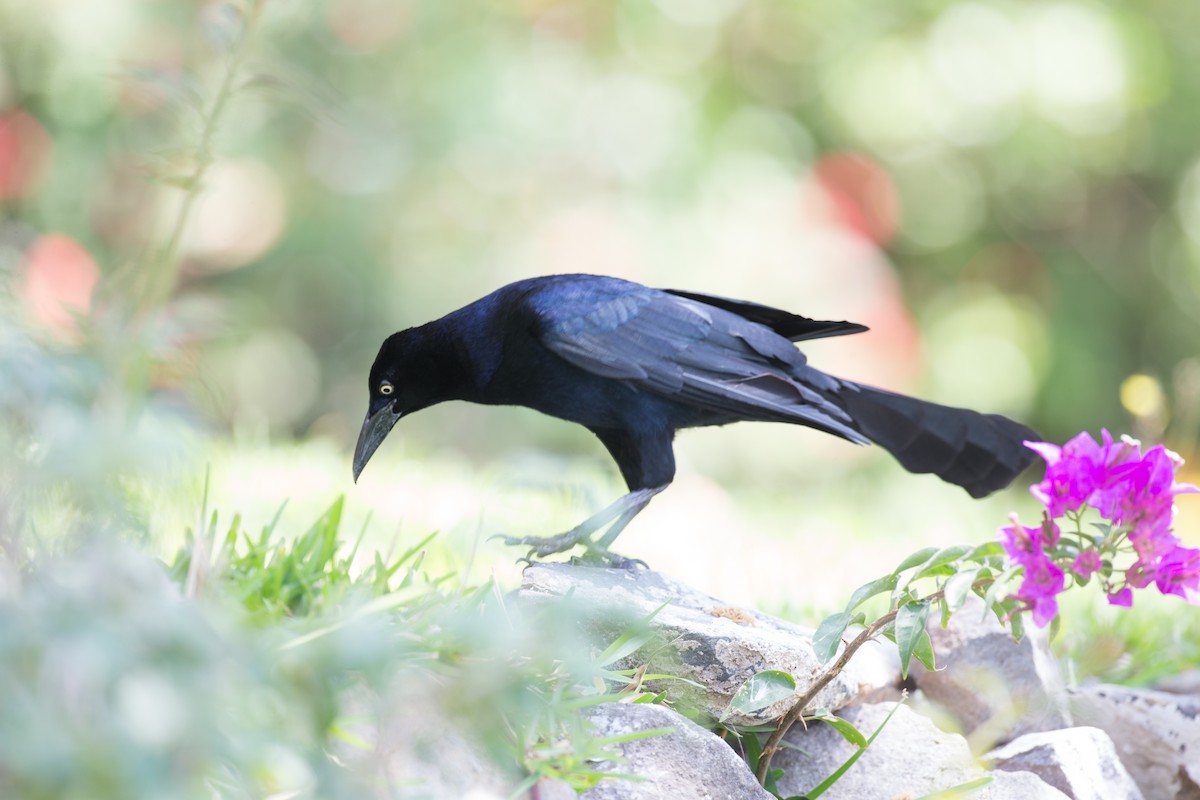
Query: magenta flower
{"x": 1073, "y": 473}
{"x": 1121, "y": 598}
{"x": 1135, "y": 492}
{"x": 1178, "y": 573}
{"x": 1087, "y": 563}
{"x": 1141, "y": 487}
{"x": 1043, "y": 580}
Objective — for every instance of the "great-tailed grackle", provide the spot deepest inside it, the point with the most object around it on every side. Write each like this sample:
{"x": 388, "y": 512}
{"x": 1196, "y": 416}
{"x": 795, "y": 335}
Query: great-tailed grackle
{"x": 634, "y": 365}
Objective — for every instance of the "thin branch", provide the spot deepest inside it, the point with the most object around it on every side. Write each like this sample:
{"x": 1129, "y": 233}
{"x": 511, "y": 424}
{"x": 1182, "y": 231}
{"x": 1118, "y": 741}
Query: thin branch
{"x": 162, "y": 271}
{"x": 797, "y": 711}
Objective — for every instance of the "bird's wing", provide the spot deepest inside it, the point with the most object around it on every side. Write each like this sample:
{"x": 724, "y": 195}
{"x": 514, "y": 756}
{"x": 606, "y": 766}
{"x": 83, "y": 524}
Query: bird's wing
{"x": 697, "y": 354}
{"x": 788, "y": 325}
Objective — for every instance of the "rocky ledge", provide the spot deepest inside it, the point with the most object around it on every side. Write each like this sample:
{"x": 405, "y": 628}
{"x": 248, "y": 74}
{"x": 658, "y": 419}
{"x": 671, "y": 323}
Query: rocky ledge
{"x": 996, "y": 715}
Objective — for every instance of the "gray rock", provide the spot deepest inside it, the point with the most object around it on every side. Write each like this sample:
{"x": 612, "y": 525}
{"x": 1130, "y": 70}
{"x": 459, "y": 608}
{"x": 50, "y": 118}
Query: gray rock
{"x": 705, "y": 640}
{"x": 910, "y": 756}
{"x": 1157, "y": 735}
{"x": 1187, "y": 682}
{"x": 691, "y": 762}
{"x": 419, "y": 752}
{"x": 1017, "y": 786}
{"x": 994, "y": 689}
{"x": 1081, "y": 762}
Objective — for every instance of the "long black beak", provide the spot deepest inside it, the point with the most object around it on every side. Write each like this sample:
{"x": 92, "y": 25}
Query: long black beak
{"x": 375, "y": 427}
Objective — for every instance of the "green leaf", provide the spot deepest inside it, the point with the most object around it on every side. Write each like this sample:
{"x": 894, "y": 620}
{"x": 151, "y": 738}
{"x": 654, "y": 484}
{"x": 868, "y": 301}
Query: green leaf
{"x": 958, "y": 588}
{"x": 986, "y": 551}
{"x": 923, "y": 652}
{"x": 999, "y": 588}
{"x": 626, "y": 644}
{"x": 751, "y": 748}
{"x": 632, "y": 736}
{"x": 869, "y": 590}
{"x": 910, "y": 625}
{"x": 961, "y": 790}
{"x": 761, "y": 690}
{"x": 829, "y": 634}
{"x": 652, "y": 699}
{"x": 934, "y": 563}
{"x": 1017, "y": 626}
{"x": 901, "y": 592}
{"x": 850, "y": 733}
{"x": 943, "y": 557}
{"x": 916, "y": 559}
{"x": 631, "y": 640}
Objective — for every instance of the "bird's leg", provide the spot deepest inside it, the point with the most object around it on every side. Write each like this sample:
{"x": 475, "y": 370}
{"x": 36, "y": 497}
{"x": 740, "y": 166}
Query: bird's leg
{"x": 616, "y": 515}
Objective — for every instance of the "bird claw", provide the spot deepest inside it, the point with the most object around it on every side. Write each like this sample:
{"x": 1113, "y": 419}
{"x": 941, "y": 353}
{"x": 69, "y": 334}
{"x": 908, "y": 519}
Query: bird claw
{"x": 541, "y": 547}
{"x": 596, "y": 556}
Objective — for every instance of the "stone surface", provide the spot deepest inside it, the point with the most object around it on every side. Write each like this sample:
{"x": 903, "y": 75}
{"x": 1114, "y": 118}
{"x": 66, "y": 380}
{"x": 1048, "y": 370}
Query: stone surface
{"x": 994, "y": 689}
{"x": 1016, "y": 786}
{"x": 915, "y": 756}
{"x": 1157, "y": 735}
{"x": 689, "y": 763}
{"x": 706, "y": 641}
{"x": 418, "y": 752}
{"x": 1081, "y": 762}
{"x": 1187, "y": 682}
{"x": 910, "y": 757}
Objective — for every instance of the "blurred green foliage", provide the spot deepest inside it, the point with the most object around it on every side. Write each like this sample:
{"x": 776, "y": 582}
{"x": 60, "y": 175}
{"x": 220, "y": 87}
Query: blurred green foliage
{"x": 268, "y": 666}
{"x": 1027, "y": 174}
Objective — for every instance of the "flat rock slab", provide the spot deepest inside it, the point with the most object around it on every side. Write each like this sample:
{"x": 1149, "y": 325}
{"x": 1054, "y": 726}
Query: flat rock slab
{"x": 689, "y": 763}
{"x": 911, "y": 757}
{"x": 705, "y": 640}
{"x": 1081, "y": 762}
{"x": 1157, "y": 735}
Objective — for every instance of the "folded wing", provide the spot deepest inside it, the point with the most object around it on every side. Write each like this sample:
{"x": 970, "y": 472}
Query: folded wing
{"x": 704, "y": 356}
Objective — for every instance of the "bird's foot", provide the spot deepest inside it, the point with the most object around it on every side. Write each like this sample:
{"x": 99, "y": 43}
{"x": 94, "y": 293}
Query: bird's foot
{"x": 593, "y": 555}
{"x": 598, "y": 557}
{"x": 542, "y": 546}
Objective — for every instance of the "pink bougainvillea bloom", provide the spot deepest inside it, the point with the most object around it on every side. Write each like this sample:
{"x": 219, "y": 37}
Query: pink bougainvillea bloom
{"x": 1134, "y": 491}
{"x": 1087, "y": 563}
{"x": 1142, "y": 488}
{"x": 1121, "y": 598}
{"x": 1031, "y": 547}
{"x": 1073, "y": 473}
{"x": 1178, "y": 573}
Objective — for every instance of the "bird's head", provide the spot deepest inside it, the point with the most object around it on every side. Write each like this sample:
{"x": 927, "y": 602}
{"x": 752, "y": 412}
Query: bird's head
{"x": 407, "y": 376}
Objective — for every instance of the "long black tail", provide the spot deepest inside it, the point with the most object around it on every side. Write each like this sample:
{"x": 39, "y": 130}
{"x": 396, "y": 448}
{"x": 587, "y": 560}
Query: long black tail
{"x": 979, "y": 452}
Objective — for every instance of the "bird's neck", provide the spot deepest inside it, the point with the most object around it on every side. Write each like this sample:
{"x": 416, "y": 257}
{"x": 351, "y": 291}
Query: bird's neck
{"x": 457, "y": 354}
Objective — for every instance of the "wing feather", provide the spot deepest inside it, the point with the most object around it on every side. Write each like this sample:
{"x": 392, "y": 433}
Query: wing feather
{"x": 696, "y": 353}
{"x": 788, "y": 325}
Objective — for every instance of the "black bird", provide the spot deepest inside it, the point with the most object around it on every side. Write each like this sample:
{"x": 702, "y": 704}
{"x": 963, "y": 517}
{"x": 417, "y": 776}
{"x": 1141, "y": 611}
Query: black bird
{"x": 634, "y": 365}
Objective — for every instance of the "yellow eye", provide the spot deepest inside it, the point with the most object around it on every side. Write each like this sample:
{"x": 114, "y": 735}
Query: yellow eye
{"x": 386, "y": 388}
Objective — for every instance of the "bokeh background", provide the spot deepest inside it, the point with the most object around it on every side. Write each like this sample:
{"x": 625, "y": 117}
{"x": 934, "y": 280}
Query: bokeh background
{"x": 1007, "y": 193}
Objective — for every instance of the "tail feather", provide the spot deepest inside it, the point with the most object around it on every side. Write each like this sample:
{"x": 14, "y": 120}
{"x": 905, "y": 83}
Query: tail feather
{"x": 979, "y": 452}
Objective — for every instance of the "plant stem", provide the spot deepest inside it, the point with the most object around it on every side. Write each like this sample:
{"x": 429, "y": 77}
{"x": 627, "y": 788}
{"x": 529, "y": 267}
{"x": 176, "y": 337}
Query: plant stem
{"x": 831, "y": 672}
{"x": 162, "y": 269}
